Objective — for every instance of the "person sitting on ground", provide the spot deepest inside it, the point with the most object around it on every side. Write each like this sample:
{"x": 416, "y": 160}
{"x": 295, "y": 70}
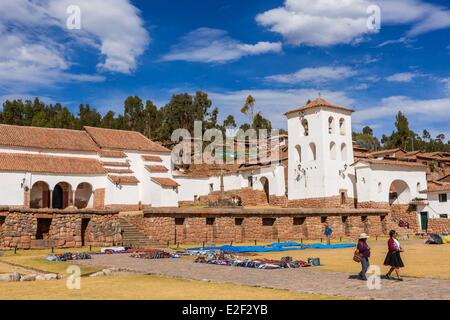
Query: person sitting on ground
{"x": 328, "y": 232}
{"x": 364, "y": 251}
{"x": 393, "y": 258}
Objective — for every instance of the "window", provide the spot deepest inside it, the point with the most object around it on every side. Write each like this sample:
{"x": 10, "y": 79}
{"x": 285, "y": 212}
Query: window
{"x": 298, "y": 155}
{"x": 268, "y": 222}
{"x": 419, "y": 187}
{"x": 380, "y": 187}
{"x": 312, "y": 152}
{"x": 344, "y": 219}
{"x": 443, "y": 197}
{"x": 210, "y": 221}
{"x": 211, "y": 187}
{"x": 305, "y": 127}
{"x": 443, "y": 216}
{"x": 179, "y": 221}
{"x": 343, "y": 197}
{"x": 2, "y": 220}
{"x": 238, "y": 221}
{"x": 298, "y": 221}
{"x": 344, "y": 152}
{"x": 364, "y": 218}
{"x": 323, "y": 219}
{"x": 333, "y": 151}
{"x": 331, "y": 125}
{"x": 250, "y": 181}
{"x": 342, "y": 126}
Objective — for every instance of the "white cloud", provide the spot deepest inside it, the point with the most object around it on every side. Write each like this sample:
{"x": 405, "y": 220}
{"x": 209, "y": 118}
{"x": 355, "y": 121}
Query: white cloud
{"x": 216, "y": 46}
{"x": 36, "y": 46}
{"x": 401, "y": 77}
{"x": 273, "y": 103}
{"x": 330, "y": 22}
{"x": 316, "y": 75}
{"x": 446, "y": 83}
{"x": 430, "y": 110}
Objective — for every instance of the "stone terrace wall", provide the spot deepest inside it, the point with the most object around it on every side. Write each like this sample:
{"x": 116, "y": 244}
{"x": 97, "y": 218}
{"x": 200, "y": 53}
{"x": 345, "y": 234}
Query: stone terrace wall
{"x": 438, "y": 225}
{"x": 327, "y": 202}
{"x": 241, "y": 225}
{"x": 19, "y": 227}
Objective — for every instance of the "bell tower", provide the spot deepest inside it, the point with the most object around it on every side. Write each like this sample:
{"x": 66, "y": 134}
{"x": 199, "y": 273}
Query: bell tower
{"x": 320, "y": 152}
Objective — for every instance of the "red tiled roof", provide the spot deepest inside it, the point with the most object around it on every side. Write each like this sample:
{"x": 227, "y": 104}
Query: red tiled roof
{"x": 115, "y": 164}
{"x": 119, "y": 171}
{"x": 112, "y": 154}
{"x": 387, "y": 151}
{"x": 391, "y": 163}
{"x": 124, "y": 179}
{"x": 156, "y": 168}
{"x": 46, "y": 138}
{"x": 123, "y": 140}
{"x": 318, "y": 103}
{"x": 49, "y": 164}
{"x": 165, "y": 182}
{"x": 152, "y": 158}
{"x": 437, "y": 186}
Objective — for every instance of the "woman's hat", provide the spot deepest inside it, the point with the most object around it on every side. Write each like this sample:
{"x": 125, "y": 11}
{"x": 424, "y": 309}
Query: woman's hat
{"x": 363, "y": 236}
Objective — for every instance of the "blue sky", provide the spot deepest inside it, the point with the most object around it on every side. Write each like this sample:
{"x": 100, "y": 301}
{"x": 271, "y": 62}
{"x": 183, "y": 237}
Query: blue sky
{"x": 281, "y": 52}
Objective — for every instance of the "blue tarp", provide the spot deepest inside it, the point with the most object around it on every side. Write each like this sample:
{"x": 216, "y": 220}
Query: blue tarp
{"x": 276, "y": 247}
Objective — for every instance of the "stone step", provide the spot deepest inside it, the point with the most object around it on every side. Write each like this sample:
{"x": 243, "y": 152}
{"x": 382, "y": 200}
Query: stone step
{"x": 132, "y": 236}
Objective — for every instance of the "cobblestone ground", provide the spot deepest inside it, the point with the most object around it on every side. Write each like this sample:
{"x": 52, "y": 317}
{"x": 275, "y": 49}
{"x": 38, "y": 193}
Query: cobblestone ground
{"x": 307, "y": 280}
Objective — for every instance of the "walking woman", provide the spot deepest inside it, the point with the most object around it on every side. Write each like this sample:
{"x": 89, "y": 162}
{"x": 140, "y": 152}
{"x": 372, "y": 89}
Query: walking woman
{"x": 393, "y": 258}
{"x": 364, "y": 252}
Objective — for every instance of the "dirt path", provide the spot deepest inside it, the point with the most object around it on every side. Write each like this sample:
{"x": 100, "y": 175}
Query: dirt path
{"x": 307, "y": 280}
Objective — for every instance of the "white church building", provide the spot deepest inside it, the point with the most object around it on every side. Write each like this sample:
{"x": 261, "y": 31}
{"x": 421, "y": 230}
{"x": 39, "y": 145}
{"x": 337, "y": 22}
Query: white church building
{"x": 98, "y": 168}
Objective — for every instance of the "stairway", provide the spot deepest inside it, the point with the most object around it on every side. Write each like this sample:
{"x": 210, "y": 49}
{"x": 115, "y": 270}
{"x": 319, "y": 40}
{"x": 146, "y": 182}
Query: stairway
{"x": 133, "y": 237}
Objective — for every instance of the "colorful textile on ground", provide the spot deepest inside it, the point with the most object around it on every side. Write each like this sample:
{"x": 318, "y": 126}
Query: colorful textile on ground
{"x": 224, "y": 259}
{"x": 275, "y": 247}
{"x": 154, "y": 254}
{"x": 116, "y": 250}
{"x": 69, "y": 256}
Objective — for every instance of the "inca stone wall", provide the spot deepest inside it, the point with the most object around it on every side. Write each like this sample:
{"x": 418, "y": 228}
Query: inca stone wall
{"x": 26, "y": 229}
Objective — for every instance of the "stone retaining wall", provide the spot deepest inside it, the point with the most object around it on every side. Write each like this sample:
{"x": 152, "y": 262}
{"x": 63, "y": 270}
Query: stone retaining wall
{"x": 437, "y": 225}
{"x": 61, "y": 228}
{"x": 246, "y": 225}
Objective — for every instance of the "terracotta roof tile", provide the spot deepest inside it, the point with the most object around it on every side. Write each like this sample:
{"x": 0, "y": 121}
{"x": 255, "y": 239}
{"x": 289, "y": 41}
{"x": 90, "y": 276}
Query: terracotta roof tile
{"x": 165, "y": 182}
{"x": 123, "y": 140}
{"x": 318, "y": 103}
{"x": 49, "y": 164}
{"x": 115, "y": 164}
{"x": 391, "y": 163}
{"x": 124, "y": 179}
{"x": 119, "y": 171}
{"x": 437, "y": 186}
{"x": 46, "y": 138}
{"x": 387, "y": 151}
{"x": 156, "y": 168}
{"x": 152, "y": 158}
{"x": 112, "y": 154}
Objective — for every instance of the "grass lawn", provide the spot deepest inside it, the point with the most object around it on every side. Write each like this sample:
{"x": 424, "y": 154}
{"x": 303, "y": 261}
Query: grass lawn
{"x": 145, "y": 287}
{"x": 421, "y": 260}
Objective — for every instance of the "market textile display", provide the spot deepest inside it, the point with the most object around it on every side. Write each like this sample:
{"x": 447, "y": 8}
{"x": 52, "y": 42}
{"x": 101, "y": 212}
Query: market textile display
{"x": 154, "y": 254}
{"x": 225, "y": 259}
{"x": 275, "y": 247}
{"x": 116, "y": 250}
{"x": 69, "y": 256}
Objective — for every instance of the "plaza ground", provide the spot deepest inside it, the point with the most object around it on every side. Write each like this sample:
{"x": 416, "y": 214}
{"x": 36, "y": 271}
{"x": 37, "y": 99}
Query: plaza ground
{"x": 427, "y": 276}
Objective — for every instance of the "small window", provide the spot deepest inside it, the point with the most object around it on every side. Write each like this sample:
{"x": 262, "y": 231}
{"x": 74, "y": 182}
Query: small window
{"x": 364, "y": 218}
{"x": 179, "y": 221}
{"x": 443, "y": 216}
{"x": 2, "y": 220}
{"x": 268, "y": 222}
{"x": 211, "y": 187}
{"x": 344, "y": 219}
{"x": 419, "y": 187}
{"x": 299, "y": 221}
{"x": 343, "y": 197}
{"x": 342, "y": 126}
{"x": 250, "y": 181}
{"x": 323, "y": 219}
{"x": 443, "y": 197}
{"x": 331, "y": 125}
{"x": 380, "y": 187}
{"x": 333, "y": 151}
{"x": 238, "y": 221}
{"x": 305, "y": 127}
{"x": 210, "y": 221}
